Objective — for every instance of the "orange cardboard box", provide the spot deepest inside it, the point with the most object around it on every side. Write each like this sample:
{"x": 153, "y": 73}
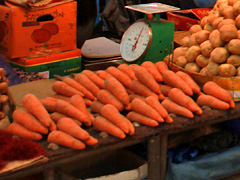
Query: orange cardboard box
{"x": 26, "y": 33}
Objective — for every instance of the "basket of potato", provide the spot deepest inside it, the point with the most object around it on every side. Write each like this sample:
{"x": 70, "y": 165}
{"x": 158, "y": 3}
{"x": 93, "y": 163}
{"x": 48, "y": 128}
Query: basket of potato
{"x": 211, "y": 51}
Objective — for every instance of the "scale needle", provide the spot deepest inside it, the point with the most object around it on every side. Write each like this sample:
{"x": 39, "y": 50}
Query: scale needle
{"x": 135, "y": 45}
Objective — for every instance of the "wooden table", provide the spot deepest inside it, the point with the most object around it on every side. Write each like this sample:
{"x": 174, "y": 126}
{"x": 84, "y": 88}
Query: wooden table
{"x": 156, "y": 138}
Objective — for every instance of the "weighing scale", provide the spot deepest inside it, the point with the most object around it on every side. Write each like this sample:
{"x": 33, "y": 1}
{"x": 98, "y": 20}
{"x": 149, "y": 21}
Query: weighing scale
{"x": 150, "y": 38}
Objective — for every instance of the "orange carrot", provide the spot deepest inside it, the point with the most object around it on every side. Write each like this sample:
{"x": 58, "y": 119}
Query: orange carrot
{"x": 212, "y": 101}
{"x": 126, "y": 69}
{"x": 24, "y": 118}
{"x": 169, "y": 119}
{"x": 58, "y": 96}
{"x": 35, "y": 107}
{"x": 165, "y": 89}
{"x": 94, "y": 77}
{"x": 64, "y": 89}
{"x": 112, "y": 114}
{"x": 212, "y": 88}
{"x": 78, "y": 102}
{"x": 173, "y": 80}
{"x": 23, "y": 132}
{"x": 56, "y": 116}
{"x": 147, "y": 79}
{"x": 105, "y": 97}
{"x": 133, "y": 96}
{"x": 49, "y": 103}
{"x": 69, "y": 126}
{"x": 152, "y": 69}
{"x": 179, "y": 97}
{"x": 161, "y": 66}
{"x": 188, "y": 79}
{"x": 119, "y": 75}
{"x": 72, "y": 82}
{"x": 91, "y": 141}
{"x": 103, "y": 74}
{"x": 96, "y": 107}
{"x": 136, "y": 117}
{"x": 64, "y": 139}
{"x": 88, "y": 102}
{"x": 104, "y": 125}
{"x": 131, "y": 128}
{"x": 172, "y": 107}
{"x": 87, "y": 83}
{"x": 134, "y": 67}
{"x": 154, "y": 103}
{"x": 117, "y": 89}
{"x": 141, "y": 89}
{"x": 141, "y": 107}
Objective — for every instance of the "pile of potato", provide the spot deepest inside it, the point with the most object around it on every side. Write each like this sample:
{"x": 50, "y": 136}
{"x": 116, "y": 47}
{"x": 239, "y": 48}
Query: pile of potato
{"x": 213, "y": 46}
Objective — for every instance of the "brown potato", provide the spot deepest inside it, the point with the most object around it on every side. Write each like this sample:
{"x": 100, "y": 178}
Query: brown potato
{"x": 212, "y": 16}
{"x": 179, "y": 51}
{"x": 238, "y": 71}
{"x": 217, "y": 21}
{"x": 228, "y": 32}
{"x": 225, "y": 22}
{"x": 204, "y": 21}
{"x": 234, "y": 46}
{"x": 227, "y": 12}
{"x": 192, "y": 40}
{"x": 181, "y": 61}
{"x": 192, "y": 67}
{"x": 231, "y": 2}
{"x": 192, "y": 53}
{"x": 234, "y": 60}
{"x": 195, "y": 28}
{"x": 202, "y": 36}
{"x": 215, "y": 39}
{"x": 202, "y": 61}
{"x": 227, "y": 70}
{"x": 219, "y": 55}
{"x": 212, "y": 69}
{"x": 208, "y": 27}
{"x": 238, "y": 32}
{"x": 206, "y": 48}
{"x": 186, "y": 41}
{"x": 236, "y": 8}
{"x": 203, "y": 71}
{"x": 237, "y": 20}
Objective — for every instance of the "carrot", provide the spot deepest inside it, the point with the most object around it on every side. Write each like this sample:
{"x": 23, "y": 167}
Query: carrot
{"x": 147, "y": 79}
{"x": 35, "y": 107}
{"x": 134, "y": 67}
{"x": 56, "y": 116}
{"x": 188, "y": 79}
{"x": 103, "y": 74}
{"x": 69, "y": 126}
{"x": 104, "y": 125}
{"x": 178, "y": 96}
{"x": 173, "y": 80}
{"x": 141, "y": 107}
{"x": 94, "y": 77}
{"x": 119, "y": 75}
{"x": 24, "y": 118}
{"x": 87, "y": 83}
{"x": 88, "y": 102}
{"x": 140, "y": 89}
{"x": 112, "y": 114}
{"x": 117, "y": 89}
{"x": 126, "y": 69}
{"x": 161, "y": 66}
{"x": 131, "y": 128}
{"x": 105, "y": 97}
{"x": 23, "y": 132}
{"x": 212, "y": 101}
{"x": 91, "y": 141}
{"x": 49, "y": 103}
{"x": 72, "y": 82}
{"x": 96, "y": 106}
{"x": 78, "y": 102}
{"x": 71, "y": 111}
{"x": 64, "y": 89}
{"x": 133, "y": 96}
{"x": 64, "y": 139}
{"x": 212, "y": 88}
{"x": 152, "y": 69}
{"x": 165, "y": 89}
{"x": 154, "y": 103}
{"x": 136, "y": 117}
{"x": 172, "y": 107}
{"x": 169, "y": 119}
{"x": 58, "y": 96}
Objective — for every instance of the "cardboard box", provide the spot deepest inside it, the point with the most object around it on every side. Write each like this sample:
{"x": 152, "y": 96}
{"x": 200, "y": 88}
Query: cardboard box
{"x": 25, "y": 33}
{"x": 184, "y": 19}
{"x": 63, "y": 63}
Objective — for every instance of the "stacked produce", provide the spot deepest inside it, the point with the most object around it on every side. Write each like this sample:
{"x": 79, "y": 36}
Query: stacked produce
{"x": 213, "y": 46}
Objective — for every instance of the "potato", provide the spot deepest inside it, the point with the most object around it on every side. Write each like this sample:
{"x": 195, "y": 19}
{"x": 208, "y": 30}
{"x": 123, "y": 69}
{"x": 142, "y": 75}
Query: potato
{"x": 204, "y": 21}
{"x": 228, "y": 32}
{"x": 212, "y": 69}
{"x": 225, "y": 22}
{"x": 234, "y": 60}
{"x": 238, "y": 32}
{"x": 192, "y": 53}
{"x": 192, "y": 40}
{"x": 215, "y": 39}
{"x": 231, "y": 2}
{"x": 195, "y": 28}
{"x": 203, "y": 71}
{"x": 202, "y": 61}
{"x": 206, "y": 48}
{"x": 181, "y": 61}
{"x": 212, "y": 16}
{"x": 179, "y": 51}
{"x": 192, "y": 67}
{"x": 227, "y": 70}
{"x": 202, "y": 36}
{"x": 227, "y": 12}
{"x": 237, "y": 21}
{"x": 236, "y": 8}
{"x": 208, "y": 27}
{"x": 219, "y": 55}
{"x": 186, "y": 41}
{"x": 234, "y": 46}
{"x": 216, "y": 22}
{"x": 238, "y": 71}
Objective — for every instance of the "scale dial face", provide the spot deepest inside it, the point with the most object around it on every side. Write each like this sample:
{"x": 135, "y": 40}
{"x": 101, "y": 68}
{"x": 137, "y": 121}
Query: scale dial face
{"x": 135, "y": 41}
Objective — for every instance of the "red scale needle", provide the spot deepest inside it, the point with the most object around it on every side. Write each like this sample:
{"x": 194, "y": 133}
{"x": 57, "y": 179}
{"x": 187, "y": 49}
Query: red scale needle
{"x": 135, "y": 45}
